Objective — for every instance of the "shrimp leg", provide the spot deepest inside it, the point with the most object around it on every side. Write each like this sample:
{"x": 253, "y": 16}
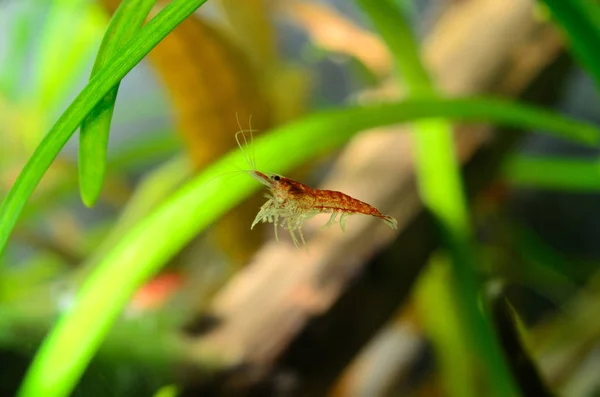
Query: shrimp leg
{"x": 343, "y": 222}
{"x": 331, "y": 220}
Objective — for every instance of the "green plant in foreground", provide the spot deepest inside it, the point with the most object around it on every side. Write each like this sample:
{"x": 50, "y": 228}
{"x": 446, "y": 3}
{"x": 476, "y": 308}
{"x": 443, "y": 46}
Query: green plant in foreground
{"x": 118, "y": 66}
{"x": 440, "y": 185}
{"x": 580, "y": 23}
{"x": 143, "y": 249}
{"x": 93, "y": 137}
{"x": 580, "y": 20}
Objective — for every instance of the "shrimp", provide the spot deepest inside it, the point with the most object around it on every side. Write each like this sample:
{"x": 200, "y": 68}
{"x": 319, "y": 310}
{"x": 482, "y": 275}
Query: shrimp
{"x": 290, "y": 203}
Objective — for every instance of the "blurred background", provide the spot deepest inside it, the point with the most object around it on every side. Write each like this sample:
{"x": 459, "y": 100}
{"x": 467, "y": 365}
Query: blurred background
{"x": 368, "y": 312}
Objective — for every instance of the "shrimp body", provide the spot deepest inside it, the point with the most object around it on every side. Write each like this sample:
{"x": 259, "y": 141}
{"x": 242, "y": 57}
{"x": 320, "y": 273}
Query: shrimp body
{"x": 290, "y": 202}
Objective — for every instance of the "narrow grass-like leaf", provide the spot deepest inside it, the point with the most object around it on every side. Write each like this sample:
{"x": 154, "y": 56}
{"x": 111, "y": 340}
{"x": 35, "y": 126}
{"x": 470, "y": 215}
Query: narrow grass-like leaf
{"x": 118, "y": 66}
{"x": 156, "y": 147}
{"x": 93, "y": 136}
{"x": 580, "y": 20}
{"x": 436, "y": 301}
{"x": 440, "y": 185}
{"x": 555, "y": 173}
{"x": 149, "y": 244}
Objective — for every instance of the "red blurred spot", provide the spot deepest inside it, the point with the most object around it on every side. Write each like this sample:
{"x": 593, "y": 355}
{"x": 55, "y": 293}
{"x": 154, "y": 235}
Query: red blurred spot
{"x": 156, "y": 292}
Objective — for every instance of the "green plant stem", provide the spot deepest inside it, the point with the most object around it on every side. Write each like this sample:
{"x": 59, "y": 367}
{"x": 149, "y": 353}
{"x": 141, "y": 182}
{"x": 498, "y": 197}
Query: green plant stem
{"x": 145, "y": 248}
{"x": 95, "y": 129}
{"x": 436, "y": 302}
{"x": 438, "y": 175}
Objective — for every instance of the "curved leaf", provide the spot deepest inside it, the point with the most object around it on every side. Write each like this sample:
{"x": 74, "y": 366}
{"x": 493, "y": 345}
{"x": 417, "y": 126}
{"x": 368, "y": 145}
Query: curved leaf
{"x": 93, "y": 136}
{"x": 140, "y": 45}
{"x": 147, "y": 246}
{"x": 440, "y": 186}
{"x": 581, "y": 21}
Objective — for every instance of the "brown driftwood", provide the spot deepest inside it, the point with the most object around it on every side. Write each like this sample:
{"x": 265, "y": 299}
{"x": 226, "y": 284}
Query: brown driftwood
{"x": 313, "y": 309}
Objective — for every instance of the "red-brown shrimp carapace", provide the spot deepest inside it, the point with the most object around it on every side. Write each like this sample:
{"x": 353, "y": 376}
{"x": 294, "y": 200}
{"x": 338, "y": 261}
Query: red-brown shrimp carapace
{"x": 290, "y": 202}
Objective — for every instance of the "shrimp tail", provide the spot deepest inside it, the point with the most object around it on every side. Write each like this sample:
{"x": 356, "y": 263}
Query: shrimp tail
{"x": 390, "y": 221}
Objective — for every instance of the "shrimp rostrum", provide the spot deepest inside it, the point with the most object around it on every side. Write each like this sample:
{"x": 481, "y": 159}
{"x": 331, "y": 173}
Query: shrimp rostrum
{"x": 290, "y": 202}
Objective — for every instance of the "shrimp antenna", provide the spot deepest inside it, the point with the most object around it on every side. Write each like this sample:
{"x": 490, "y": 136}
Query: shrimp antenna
{"x": 251, "y": 161}
{"x": 252, "y": 142}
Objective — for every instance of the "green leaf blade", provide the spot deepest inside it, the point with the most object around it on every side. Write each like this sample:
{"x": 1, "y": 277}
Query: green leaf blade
{"x": 142, "y": 251}
{"x": 580, "y": 20}
{"x": 138, "y": 47}
{"x": 440, "y": 187}
{"x": 553, "y": 173}
{"x": 95, "y": 129}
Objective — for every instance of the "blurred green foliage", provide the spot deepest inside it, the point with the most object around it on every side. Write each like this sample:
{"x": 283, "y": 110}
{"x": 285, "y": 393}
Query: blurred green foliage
{"x": 188, "y": 204}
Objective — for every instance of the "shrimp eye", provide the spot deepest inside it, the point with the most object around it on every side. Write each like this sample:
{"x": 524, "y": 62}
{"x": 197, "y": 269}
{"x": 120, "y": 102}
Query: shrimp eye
{"x": 277, "y": 177}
